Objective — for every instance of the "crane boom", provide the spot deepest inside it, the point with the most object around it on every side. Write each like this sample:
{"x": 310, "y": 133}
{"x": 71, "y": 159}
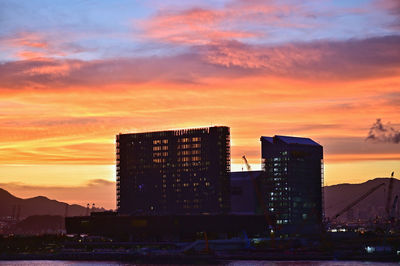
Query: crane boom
{"x": 258, "y": 194}
{"x": 348, "y": 207}
{"x": 246, "y": 163}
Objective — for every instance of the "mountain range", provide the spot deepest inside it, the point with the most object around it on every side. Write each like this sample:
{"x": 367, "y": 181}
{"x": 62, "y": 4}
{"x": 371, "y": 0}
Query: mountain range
{"x": 11, "y": 206}
{"x": 336, "y": 198}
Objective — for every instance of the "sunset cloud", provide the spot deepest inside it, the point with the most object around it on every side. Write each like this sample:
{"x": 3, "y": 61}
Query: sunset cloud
{"x": 30, "y": 45}
{"x": 193, "y": 26}
{"x": 29, "y": 40}
{"x": 258, "y": 22}
{"x": 320, "y": 60}
{"x": 383, "y": 133}
{"x": 393, "y": 8}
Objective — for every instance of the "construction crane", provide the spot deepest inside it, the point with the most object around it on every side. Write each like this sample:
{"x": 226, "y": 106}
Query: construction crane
{"x": 255, "y": 185}
{"x": 348, "y": 207}
{"x": 389, "y": 196}
{"x": 259, "y": 195}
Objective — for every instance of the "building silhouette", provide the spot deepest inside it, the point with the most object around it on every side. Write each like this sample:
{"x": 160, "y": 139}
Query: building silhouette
{"x": 244, "y": 199}
{"x": 174, "y": 172}
{"x": 177, "y": 184}
{"x": 292, "y": 183}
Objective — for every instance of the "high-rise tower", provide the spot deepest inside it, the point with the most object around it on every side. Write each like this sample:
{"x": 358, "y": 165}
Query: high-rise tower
{"x": 292, "y": 182}
{"x": 174, "y": 172}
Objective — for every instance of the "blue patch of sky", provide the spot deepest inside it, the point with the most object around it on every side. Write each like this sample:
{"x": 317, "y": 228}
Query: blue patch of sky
{"x": 91, "y": 29}
{"x": 76, "y": 15}
{"x": 91, "y": 24}
{"x": 333, "y": 20}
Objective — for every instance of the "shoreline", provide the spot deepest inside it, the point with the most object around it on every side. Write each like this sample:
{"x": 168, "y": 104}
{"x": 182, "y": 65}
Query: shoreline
{"x": 204, "y": 258}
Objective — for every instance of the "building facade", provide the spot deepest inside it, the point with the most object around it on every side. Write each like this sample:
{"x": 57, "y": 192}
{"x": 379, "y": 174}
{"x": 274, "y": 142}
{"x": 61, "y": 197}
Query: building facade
{"x": 244, "y": 198}
{"x": 292, "y": 183}
{"x": 174, "y": 172}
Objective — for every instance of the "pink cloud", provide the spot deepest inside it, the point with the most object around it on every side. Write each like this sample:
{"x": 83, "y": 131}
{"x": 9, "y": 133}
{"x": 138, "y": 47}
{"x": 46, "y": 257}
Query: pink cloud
{"x": 32, "y": 45}
{"x": 392, "y": 7}
{"x": 30, "y": 55}
{"x": 278, "y": 59}
{"x": 193, "y": 26}
{"x": 321, "y": 59}
{"x": 28, "y": 45}
{"x": 54, "y": 67}
{"x": 236, "y": 20}
{"x": 29, "y": 39}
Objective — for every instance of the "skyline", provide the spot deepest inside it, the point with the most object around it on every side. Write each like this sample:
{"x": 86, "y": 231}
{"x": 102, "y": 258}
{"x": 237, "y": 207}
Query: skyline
{"x": 74, "y": 74}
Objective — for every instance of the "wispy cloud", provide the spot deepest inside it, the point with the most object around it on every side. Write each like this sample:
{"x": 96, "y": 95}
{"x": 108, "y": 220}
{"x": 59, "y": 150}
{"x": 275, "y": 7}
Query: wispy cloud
{"x": 392, "y": 7}
{"x": 30, "y": 45}
{"x": 195, "y": 26}
{"x": 261, "y": 22}
{"x": 320, "y": 60}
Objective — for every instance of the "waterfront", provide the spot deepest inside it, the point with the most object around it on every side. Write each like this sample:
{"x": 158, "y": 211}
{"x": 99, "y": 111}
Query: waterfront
{"x": 229, "y": 263}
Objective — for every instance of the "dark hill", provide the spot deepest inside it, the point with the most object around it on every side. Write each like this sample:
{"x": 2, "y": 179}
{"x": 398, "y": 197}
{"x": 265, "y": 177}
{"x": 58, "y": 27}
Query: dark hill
{"x": 337, "y": 197}
{"x": 14, "y": 207}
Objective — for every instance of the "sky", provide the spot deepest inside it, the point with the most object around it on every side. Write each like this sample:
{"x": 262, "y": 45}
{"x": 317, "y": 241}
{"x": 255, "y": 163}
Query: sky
{"x": 73, "y": 74}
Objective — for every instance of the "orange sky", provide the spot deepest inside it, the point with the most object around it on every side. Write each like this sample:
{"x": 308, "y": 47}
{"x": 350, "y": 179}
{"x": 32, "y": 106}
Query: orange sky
{"x": 62, "y": 101}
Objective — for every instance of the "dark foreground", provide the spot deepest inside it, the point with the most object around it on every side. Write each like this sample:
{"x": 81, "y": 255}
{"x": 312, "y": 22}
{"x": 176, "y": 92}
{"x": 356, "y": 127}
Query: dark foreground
{"x": 79, "y": 248}
{"x": 219, "y": 258}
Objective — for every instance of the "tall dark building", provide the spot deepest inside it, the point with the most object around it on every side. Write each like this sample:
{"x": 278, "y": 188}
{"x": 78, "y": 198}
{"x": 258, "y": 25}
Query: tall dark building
{"x": 174, "y": 172}
{"x": 293, "y": 181}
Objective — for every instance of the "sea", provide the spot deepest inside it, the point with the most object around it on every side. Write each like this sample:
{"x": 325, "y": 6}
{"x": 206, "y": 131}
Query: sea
{"x": 233, "y": 263}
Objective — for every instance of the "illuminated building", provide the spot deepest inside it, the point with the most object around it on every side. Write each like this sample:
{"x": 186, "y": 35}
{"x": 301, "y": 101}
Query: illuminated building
{"x": 292, "y": 183}
{"x": 174, "y": 172}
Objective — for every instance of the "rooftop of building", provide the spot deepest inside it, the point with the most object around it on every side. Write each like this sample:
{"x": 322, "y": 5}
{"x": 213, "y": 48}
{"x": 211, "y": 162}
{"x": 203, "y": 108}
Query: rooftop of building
{"x": 180, "y": 131}
{"x": 290, "y": 140}
{"x": 244, "y": 174}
